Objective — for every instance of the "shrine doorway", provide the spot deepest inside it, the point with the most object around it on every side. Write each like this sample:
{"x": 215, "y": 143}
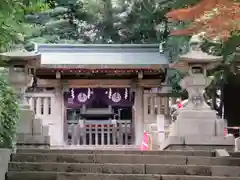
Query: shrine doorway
{"x": 98, "y": 116}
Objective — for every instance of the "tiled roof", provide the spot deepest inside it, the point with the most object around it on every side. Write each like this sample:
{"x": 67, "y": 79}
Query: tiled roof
{"x": 82, "y": 55}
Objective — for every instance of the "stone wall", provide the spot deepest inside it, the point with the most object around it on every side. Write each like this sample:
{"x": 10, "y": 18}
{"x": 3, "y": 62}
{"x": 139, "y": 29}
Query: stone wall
{"x": 4, "y": 160}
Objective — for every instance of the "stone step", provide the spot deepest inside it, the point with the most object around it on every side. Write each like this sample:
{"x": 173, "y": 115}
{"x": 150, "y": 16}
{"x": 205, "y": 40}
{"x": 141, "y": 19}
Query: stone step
{"x": 107, "y": 151}
{"x": 235, "y": 154}
{"x": 125, "y": 158}
{"x": 109, "y": 168}
{"x": 31, "y": 175}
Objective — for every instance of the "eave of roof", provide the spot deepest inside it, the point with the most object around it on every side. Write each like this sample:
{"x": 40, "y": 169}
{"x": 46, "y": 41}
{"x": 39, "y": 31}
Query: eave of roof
{"x": 96, "y": 47}
{"x": 102, "y": 56}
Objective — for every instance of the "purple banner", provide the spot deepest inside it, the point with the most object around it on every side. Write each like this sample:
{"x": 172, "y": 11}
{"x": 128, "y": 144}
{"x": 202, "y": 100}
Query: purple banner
{"x": 77, "y": 97}
{"x": 118, "y": 96}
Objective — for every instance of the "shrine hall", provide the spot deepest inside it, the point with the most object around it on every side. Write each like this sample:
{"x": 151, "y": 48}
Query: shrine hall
{"x": 98, "y": 94}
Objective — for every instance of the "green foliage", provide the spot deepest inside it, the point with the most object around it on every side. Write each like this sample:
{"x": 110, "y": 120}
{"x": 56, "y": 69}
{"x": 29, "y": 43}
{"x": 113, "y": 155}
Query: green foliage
{"x": 36, "y": 7}
{"x": 92, "y": 21}
{"x": 11, "y": 15}
{"x": 224, "y": 71}
{"x": 175, "y": 46}
{"x": 173, "y": 78}
{"x": 225, "y": 49}
{"x": 102, "y": 21}
{"x": 9, "y": 113}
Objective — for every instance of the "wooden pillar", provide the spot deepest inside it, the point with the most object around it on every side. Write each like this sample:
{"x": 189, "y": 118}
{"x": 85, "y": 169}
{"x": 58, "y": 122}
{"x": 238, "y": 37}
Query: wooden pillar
{"x": 158, "y": 102}
{"x": 139, "y": 115}
{"x": 166, "y": 106}
{"x": 108, "y": 129}
{"x": 59, "y": 120}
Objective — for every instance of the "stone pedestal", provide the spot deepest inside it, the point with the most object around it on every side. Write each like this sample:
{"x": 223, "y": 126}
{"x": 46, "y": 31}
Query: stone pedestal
{"x": 197, "y": 130}
{"x": 195, "y": 122}
{"x": 197, "y": 126}
{"x": 206, "y": 143}
{"x": 237, "y": 144}
{"x": 4, "y": 160}
{"x": 29, "y": 129}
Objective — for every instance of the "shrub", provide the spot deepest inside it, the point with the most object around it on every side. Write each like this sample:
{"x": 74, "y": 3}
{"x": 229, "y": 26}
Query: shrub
{"x": 9, "y": 113}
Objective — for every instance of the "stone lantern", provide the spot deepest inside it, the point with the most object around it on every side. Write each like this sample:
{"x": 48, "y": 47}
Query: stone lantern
{"x": 196, "y": 124}
{"x": 196, "y": 63}
{"x": 21, "y": 67}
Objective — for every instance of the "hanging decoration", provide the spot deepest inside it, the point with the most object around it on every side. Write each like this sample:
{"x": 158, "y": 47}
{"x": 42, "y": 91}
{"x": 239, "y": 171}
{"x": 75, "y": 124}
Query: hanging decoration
{"x": 126, "y": 93}
{"x": 89, "y": 93}
{"x": 110, "y": 93}
{"x": 72, "y": 93}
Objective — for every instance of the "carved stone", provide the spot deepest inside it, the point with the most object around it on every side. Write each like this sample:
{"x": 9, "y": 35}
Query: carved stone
{"x": 195, "y": 86}
{"x": 197, "y": 125}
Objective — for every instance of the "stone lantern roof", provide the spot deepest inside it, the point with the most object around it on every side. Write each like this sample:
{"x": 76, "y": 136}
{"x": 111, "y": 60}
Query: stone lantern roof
{"x": 21, "y": 58}
{"x": 196, "y": 56}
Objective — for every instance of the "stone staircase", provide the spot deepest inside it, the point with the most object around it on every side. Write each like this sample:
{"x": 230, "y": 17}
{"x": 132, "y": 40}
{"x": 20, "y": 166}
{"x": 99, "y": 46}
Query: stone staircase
{"x": 56, "y": 164}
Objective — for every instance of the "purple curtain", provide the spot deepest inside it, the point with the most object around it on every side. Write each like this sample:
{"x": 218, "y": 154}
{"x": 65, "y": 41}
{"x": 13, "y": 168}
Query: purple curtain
{"x": 118, "y": 96}
{"x": 76, "y": 97}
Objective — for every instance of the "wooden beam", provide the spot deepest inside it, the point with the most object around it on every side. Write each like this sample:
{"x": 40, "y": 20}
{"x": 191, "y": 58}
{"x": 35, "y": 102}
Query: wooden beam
{"x": 48, "y": 83}
{"x": 150, "y": 83}
{"x": 95, "y": 83}
{"x": 98, "y": 83}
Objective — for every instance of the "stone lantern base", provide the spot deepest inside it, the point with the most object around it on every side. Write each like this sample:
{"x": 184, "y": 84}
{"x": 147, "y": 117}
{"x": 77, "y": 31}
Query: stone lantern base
{"x": 30, "y": 131}
{"x": 197, "y": 130}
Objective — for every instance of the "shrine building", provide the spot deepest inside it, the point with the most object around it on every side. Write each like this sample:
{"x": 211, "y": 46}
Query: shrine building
{"x": 102, "y": 92}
